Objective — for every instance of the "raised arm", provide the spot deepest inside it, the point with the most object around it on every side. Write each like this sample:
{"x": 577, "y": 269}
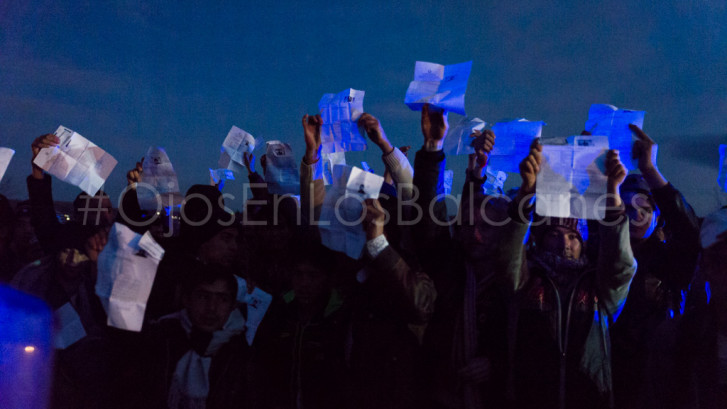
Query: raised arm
{"x": 616, "y": 263}
{"x": 40, "y": 192}
{"x": 312, "y": 188}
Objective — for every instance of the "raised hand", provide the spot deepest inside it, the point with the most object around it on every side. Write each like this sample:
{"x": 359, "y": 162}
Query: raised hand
{"x": 44, "y": 141}
{"x": 249, "y": 162}
{"x": 373, "y": 129}
{"x": 530, "y": 167}
{"x": 642, "y": 151}
{"x": 134, "y": 175}
{"x": 312, "y": 136}
{"x": 434, "y": 128}
{"x": 483, "y": 143}
{"x": 375, "y": 219}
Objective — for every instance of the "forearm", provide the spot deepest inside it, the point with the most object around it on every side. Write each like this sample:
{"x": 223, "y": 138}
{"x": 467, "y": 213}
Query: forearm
{"x": 312, "y": 190}
{"x": 616, "y": 263}
{"x": 401, "y": 172}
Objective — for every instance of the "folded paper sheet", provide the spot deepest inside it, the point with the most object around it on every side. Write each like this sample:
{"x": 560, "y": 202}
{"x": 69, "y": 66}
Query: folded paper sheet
{"x": 495, "y": 183}
{"x": 6, "y": 154}
{"x": 77, "y": 161}
{"x": 126, "y": 270}
{"x": 339, "y": 112}
{"x": 571, "y": 182}
{"x": 158, "y": 186}
{"x": 238, "y": 142}
{"x": 342, "y": 212}
{"x": 69, "y": 328}
{"x": 512, "y": 143}
{"x": 281, "y": 173}
{"x": 458, "y": 140}
{"x": 442, "y": 86}
{"x": 607, "y": 120}
{"x": 257, "y": 303}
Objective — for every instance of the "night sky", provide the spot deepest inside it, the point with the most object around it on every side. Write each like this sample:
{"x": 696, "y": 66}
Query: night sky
{"x": 132, "y": 75}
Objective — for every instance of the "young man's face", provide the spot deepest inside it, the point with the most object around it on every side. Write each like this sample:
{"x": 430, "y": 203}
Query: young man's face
{"x": 221, "y": 248}
{"x": 209, "y": 305}
{"x": 562, "y": 241}
{"x": 642, "y": 220}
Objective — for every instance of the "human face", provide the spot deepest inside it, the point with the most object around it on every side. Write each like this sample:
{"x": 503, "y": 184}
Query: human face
{"x": 562, "y": 241}
{"x": 221, "y": 248}
{"x": 642, "y": 221}
{"x": 209, "y": 305}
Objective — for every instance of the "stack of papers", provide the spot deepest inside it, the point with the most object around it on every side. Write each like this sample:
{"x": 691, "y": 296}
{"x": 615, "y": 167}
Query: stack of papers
{"x": 77, "y": 161}
{"x": 438, "y": 85}
{"x": 571, "y": 182}
{"x": 340, "y": 112}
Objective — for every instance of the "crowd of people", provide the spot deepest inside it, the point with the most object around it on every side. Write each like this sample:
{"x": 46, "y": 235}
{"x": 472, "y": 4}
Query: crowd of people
{"x": 499, "y": 308}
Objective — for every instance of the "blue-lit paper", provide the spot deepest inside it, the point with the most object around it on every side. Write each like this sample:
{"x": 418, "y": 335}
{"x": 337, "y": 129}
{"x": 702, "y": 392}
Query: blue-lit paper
{"x": 339, "y": 112}
{"x": 722, "y": 178}
{"x": 281, "y": 170}
{"x": 442, "y": 86}
{"x": 607, "y": 120}
{"x": 512, "y": 143}
{"x": 458, "y": 140}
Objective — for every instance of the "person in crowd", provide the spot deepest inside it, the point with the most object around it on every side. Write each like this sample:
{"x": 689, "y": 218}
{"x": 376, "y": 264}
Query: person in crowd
{"x": 197, "y": 357}
{"x": 666, "y": 267}
{"x": 562, "y": 303}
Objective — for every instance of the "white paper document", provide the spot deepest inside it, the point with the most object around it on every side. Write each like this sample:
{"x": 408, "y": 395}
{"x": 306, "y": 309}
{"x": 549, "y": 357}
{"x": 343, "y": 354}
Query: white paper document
{"x": 604, "y": 119}
{"x": 281, "y": 173}
{"x": 442, "y": 86}
{"x": 329, "y": 161}
{"x": 571, "y": 182}
{"x": 219, "y": 176}
{"x": 77, "y": 161}
{"x": 5, "y": 155}
{"x": 458, "y": 140}
{"x": 342, "y": 211}
{"x": 238, "y": 142}
{"x": 158, "y": 186}
{"x": 339, "y": 112}
{"x": 512, "y": 143}
{"x": 256, "y": 303}
{"x": 363, "y": 184}
{"x": 127, "y": 267}
{"x": 69, "y": 328}
{"x": 722, "y": 178}
{"x": 495, "y": 183}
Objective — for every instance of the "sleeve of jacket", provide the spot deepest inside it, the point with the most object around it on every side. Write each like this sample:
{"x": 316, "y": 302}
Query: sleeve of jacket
{"x": 510, "y": 260}
{"x": 312, "y": 190}
{"x": 683, "y": 244}
{"x": 616, "y": 263}
{"x": 401, "y": 172}
{"x": 406, "y": 294}
{"x": 42, "y": 212}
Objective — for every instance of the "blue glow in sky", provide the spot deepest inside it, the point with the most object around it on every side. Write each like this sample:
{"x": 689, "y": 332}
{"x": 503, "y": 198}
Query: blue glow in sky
{"x": 134, "y": 74}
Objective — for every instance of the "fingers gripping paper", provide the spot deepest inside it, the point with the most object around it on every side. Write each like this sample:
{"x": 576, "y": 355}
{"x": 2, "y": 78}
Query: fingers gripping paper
{"x": 512, "y": 143}
{"x": 281, "y": 172}
{"x": 234, "y": 146}
{"x": 126, "y": 270}
{"x": 342, "y": 211}
{"x": 442, "y": 86}
{"x": 607, "y": 120}
{"x": 77, "y": 161}
{"x": 159, "y": 185}
{"x": 339, "y": 112}
{"x": 458, "y": 141}
{"x": 571, "y": 182}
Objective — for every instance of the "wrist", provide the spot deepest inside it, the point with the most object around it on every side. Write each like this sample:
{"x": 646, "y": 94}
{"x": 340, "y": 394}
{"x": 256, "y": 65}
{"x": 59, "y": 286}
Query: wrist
{"x": 433, "y": 145}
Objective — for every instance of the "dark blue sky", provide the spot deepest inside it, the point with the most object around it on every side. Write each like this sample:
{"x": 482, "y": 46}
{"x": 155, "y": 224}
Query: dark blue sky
{"x": 132, "y": 75}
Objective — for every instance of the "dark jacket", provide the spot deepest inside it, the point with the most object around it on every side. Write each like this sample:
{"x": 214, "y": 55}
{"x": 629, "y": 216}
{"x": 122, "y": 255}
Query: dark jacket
{"x": 560, "y": 354}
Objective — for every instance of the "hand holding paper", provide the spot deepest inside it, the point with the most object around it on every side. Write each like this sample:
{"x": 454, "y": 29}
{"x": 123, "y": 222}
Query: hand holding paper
{"x": 340, "y": 112}
{"x": 375, "y": 132}
{"x": 616, "y": 173}
{"x": 375, "y": 219}
{"x": 442, "y": 86}
{"x": 44, "y": 141}
{"x": 644, "y": 151}
{"x": 434, "y": 128}
{"x": 134, "y": 175}
{"x": 530, "y": 167}
{"x": 312, "y": 137}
